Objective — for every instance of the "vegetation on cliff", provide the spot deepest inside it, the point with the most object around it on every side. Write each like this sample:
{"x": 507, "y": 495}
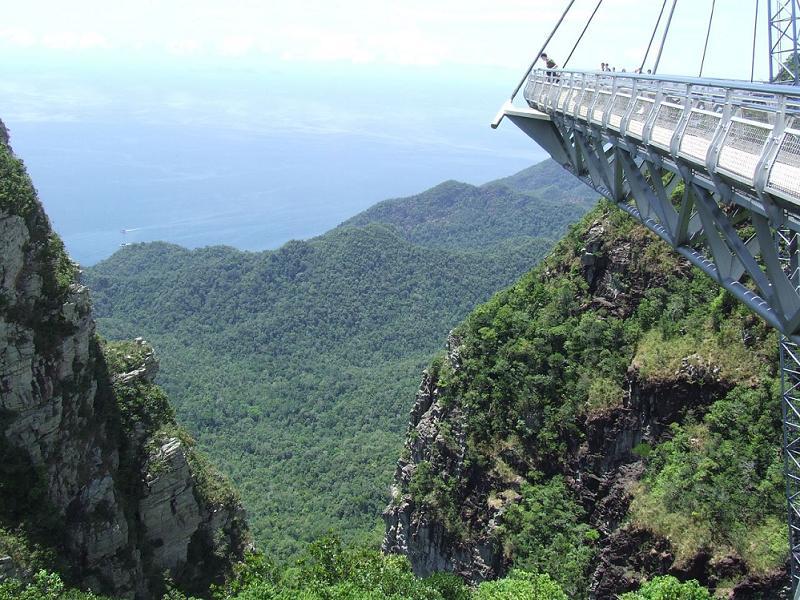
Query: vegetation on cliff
{"x": 29, "y": 529}
{"x": 327, "y": 570}
{"x": 43, "y": 586}
{"x": 293, "y": 368}
{"x": 18, "y": 197}
{"x": 610, "y": 319}
{"x": 146, "y": 413}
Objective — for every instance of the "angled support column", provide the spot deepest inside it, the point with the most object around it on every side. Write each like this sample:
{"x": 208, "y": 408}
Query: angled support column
{"x": 790, "y": 408}
{"x": 597, "y": 171}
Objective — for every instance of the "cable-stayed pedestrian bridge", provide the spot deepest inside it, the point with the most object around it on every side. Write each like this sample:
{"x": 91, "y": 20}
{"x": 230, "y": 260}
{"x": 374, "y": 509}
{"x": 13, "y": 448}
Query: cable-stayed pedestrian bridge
{"x": 711, "y": 166}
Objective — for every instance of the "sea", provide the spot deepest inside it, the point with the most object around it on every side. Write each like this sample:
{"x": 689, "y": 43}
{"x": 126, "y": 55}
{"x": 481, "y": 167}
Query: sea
{"x": 248, "y": 158}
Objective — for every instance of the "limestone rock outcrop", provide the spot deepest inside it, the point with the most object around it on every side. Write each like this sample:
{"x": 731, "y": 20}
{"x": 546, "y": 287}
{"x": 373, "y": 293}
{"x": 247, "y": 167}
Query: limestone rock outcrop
{"x": 120, "y": 503}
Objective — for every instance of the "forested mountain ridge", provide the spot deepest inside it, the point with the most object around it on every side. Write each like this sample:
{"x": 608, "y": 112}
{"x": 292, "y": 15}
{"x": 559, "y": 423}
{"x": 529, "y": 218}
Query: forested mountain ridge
{"x": 292, "y": 367}
{"x": 536, "y": 202}
{"x": 308, "y": 287}
{"x": 611, "y": 417}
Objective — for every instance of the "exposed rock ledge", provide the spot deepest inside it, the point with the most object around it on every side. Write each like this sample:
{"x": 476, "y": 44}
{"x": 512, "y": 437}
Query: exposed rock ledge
{"x": 122, "y": 524}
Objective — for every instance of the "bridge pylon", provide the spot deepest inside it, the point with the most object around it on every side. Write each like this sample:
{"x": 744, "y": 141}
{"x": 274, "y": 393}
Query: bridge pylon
{"x": 784, "y": 61}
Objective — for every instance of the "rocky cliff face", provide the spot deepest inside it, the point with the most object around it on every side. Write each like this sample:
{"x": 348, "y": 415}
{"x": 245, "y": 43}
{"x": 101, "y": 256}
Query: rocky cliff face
{"x": 97, "y": 477}
{"x": 422, "y": 535}
{"x": 477, "y": 469}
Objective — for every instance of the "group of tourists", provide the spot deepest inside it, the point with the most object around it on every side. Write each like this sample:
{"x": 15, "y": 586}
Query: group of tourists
{"x": 609, "y": 68}
{"x": 604, "y": 67}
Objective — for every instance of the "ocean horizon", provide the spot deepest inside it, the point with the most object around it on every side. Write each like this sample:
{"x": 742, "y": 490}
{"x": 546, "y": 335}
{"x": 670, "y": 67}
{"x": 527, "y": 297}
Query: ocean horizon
{"x": 244, "y": 160}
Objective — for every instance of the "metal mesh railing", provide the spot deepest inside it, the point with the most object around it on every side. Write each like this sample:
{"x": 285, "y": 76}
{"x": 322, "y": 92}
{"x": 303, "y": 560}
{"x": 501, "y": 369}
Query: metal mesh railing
{"x": 747, "y": 113}
{"x": 552, "y": 97}
{"x": 618, "y": 109}
{"x": 600, "y": 107}
{"x": 537, "y": 87}
{"x": 698, "y": 135}
{"x": 587, "y": 98}
{"x": 563, "y": 95}
{"x": 784, "y": 176}
{"x": 741, "y": 149}
{"x": 638, "y": 117}
{"x": 530, "y": 91}
{"x": 665, "y": 124}
{"x": 574, "y": 97}
{"x": 756, "y": 115}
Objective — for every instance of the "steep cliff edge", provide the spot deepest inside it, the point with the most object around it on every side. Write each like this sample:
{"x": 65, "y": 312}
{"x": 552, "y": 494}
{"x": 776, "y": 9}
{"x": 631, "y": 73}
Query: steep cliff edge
{"x": 611, "y": 417}
{"x": 96, "y": 480}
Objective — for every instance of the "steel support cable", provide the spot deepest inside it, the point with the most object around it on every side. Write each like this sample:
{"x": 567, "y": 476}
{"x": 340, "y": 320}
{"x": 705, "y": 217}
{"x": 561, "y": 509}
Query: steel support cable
{"x": 753, "y": 59}
{"x": 769, "y": 42}
{"x": 708, "y": 34}
{"x": 580, "y": 37}
{"x": 542, "y": 49}
{"x": 664, "y": 38}
{"x": 652, "y": 36}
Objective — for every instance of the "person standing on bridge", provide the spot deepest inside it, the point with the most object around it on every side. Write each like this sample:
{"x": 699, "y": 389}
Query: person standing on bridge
{"x": 551, "y": 64}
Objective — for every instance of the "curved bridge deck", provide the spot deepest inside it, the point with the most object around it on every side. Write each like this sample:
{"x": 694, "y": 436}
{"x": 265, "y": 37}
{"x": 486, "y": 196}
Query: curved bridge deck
{"x": 746, "y": 133}
{"x": 734, "y": 146}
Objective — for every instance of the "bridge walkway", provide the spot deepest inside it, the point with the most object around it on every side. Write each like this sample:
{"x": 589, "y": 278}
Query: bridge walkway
{"x": 734, "y": 146}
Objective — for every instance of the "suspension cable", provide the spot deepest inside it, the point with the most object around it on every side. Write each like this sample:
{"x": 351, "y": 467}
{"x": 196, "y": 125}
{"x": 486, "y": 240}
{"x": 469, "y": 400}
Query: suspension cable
{"x": 652, "y": 37}
{"x": 753, "y": 59}
{"x": 708, "y": 34}
{"x": 664, "y": 39}
{"x": 539, "y": 54}
{"x": 580, "y": 37}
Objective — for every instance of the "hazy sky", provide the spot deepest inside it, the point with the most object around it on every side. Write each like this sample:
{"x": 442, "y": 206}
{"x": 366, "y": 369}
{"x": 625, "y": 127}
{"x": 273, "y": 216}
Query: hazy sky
{"x": 113, "y": 103}
{"x": 463, "y": 34}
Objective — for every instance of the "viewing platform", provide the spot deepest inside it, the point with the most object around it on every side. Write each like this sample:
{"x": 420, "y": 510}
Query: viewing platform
{"x": 735, "y": 146}
{"x": 749, "y": 134}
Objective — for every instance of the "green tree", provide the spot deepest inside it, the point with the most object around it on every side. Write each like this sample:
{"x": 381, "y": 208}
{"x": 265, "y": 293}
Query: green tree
{"x": 44, "y": 586}
{"x": 520, "y": 585}
{"x": 669, "y": 588}
{"x": 545, "y": 532}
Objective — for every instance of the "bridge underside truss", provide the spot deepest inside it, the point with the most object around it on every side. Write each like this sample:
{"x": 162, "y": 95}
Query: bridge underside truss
{"x": 735, "y": 244}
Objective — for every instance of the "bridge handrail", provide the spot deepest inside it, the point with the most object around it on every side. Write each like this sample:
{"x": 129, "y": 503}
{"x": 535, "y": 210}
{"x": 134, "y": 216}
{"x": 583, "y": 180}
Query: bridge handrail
{"x": 760, "y": 87}
{"x": 768, "y": 97}
{"x": 747, "y": 133}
